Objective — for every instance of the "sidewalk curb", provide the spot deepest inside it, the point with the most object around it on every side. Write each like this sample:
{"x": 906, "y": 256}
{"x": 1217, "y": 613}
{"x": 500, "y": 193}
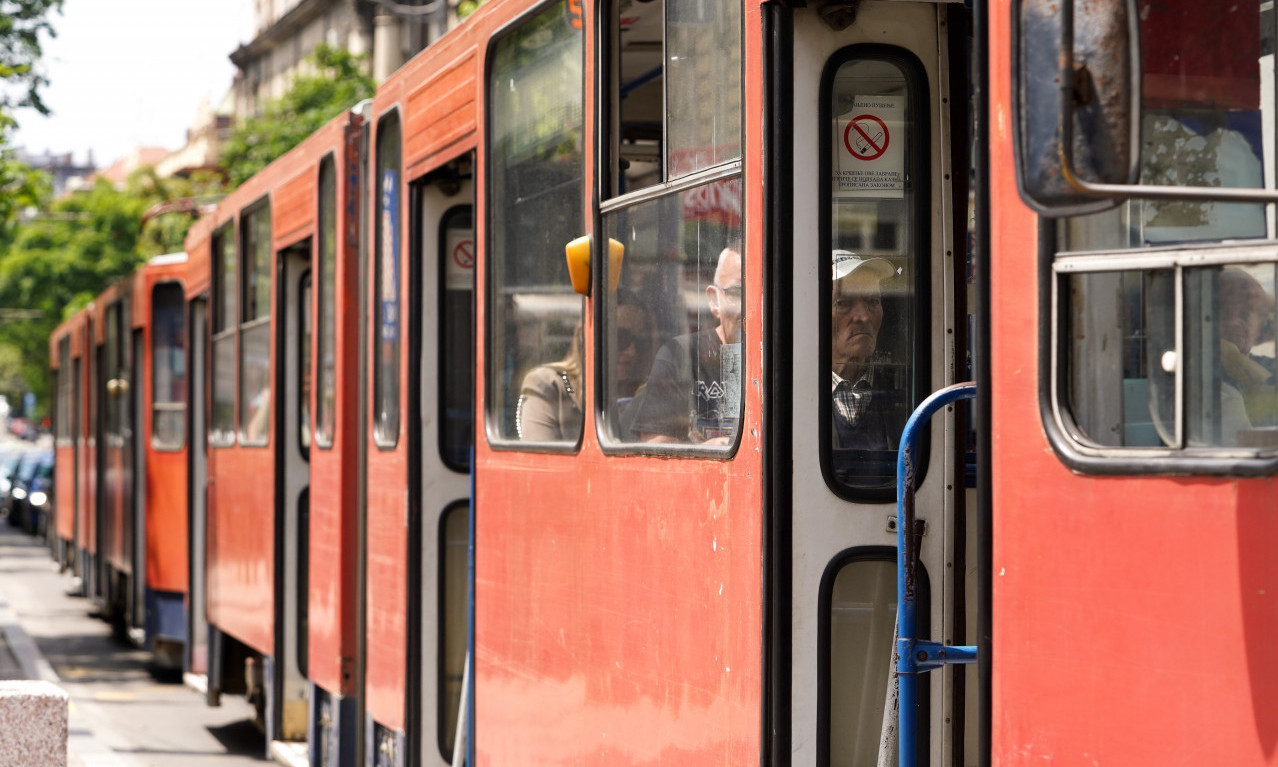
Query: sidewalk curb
{"x": 84, "y": 749}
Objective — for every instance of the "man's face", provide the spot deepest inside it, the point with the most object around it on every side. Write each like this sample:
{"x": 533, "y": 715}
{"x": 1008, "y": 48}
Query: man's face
{"x": 725, "y": 297}
{"x": 858, "y": 315}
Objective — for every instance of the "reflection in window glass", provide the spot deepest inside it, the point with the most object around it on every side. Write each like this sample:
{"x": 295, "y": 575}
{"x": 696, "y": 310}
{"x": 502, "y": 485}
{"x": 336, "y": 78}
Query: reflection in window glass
{"x": 326, "y": 286}
{"x": 62, "y": 405}
{"x": 255, "y": 329}
{"x": 304, "y": 366}
{"x": 1124, "y": 359}
{"x": 876, "y": 146}
{"x": 168, "y": 361}
{"x": 456, "y": 339}
{"x": 386, "y": 364}
{"x": 703, "y": 83}
{"x": 225, "y": 322}
{"x": 454, "y": 539}
{"x": 861, "y": 623}
{"x": 535, "y": 202}
{"x": 672, "y": 349}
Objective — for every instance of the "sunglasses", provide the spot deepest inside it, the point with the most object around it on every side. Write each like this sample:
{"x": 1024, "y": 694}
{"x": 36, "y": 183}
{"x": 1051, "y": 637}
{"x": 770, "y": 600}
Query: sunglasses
{"x": 626, "y": 338}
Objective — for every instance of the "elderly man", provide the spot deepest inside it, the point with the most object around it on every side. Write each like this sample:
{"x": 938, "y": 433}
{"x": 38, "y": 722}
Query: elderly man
{"x": 857, "y": 316}
{"x": 693, "y": 391}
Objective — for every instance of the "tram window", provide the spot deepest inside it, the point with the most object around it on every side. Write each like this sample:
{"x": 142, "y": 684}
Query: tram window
{"x": 168, "y": 367}
{"x": 387, "y": 260}
{"x": 304, "y": 366}
{"x": 877, "y": 149}
{"x": 859, "y": 619}
{"x": 114, "y": 370}
{"x": 255, "y": 328}
{"x": 454, "y": 540}
{"x": 1125, "y": 382}
{"x": 326, "y": 302}
{"x": 225, "y": 320}
{"x": 62, "y": 406}
{"x": 535, "y": 207}
{"x": 456, "y": 360}
{"x": 677, "y": 91}
{"x": 672, "y": 362}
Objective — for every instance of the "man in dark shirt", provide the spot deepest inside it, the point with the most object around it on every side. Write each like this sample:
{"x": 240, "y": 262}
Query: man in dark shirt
{"x": 693, "y": 394}
{"x": 857, "y": 316}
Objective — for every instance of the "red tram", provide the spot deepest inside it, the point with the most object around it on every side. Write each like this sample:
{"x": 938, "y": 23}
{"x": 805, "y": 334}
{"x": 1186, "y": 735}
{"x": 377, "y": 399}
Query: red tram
{"x": 121, "y": 460}
{"x": 512, "y": 441}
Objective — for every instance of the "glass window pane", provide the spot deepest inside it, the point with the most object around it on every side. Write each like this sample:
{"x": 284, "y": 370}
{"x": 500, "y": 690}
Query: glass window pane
{"x": 1122, "y": 347}
{"x": 703, "y": 83}
{"x": 326, "y": 399}
{"x": 454, "y": 540}
{"x": 389, "y": 218}
{"x": 62, "y": 406}
{"x": 1230, "y": 389}
{"x": 456, "y": 339}
{"x": 255, "y": 392}
{"x": 222, "y": 420}
{"x": 536, "y": 207}
{"x": 672, "y": 344}
{"x": 168, "y": 361}
{"x": 862, "y": 622}
{"x": 304, "y": 366}
{"x": 224, "y": 280}
{"x": 877, "y": 145}
{"x": 257, "y": 266}
{"x": 639, "y": 103}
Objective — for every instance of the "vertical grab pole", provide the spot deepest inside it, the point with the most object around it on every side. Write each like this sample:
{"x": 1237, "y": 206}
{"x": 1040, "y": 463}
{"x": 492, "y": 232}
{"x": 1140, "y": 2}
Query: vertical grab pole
{"x": 907, "y": 668}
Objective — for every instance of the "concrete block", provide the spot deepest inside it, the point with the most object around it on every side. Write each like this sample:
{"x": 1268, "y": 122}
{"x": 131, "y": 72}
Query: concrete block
{"x": 33, "y": 724}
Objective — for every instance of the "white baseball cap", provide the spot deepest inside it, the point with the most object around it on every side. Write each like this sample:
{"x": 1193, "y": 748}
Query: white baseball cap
{"x": 845, "y": 262}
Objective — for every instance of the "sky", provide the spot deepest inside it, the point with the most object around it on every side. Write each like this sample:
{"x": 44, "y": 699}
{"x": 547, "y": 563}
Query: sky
{"x": 127, "y": 73}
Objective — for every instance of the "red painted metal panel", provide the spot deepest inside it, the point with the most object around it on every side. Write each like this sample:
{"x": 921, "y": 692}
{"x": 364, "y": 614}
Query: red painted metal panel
{"x": 1130, "y": 614}
{"x": 619, "y": 599}
{"x": 241, "y": 545}
{"x": 334, "y": 531}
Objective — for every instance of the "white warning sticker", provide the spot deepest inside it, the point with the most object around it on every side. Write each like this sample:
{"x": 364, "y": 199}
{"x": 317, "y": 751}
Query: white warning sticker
{"x": 870, "y": 148}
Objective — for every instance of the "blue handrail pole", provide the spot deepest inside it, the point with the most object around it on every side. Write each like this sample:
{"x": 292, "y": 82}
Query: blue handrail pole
{"x": 906, "y": 560}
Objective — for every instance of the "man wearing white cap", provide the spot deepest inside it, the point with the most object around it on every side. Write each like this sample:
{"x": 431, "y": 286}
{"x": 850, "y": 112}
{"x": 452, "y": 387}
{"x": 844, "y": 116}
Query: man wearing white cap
{"x": 856, "y": 317}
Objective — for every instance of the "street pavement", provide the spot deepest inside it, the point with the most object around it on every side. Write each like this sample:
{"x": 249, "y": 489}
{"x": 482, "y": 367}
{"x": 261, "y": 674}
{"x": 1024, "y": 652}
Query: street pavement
{"x": 121, "y": 714}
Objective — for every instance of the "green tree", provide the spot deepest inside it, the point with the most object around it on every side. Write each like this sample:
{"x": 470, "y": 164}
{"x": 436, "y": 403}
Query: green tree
{"x": 57, "y": 261}
{"x": 22, "y": 24}
{"x": 338, "y": 82}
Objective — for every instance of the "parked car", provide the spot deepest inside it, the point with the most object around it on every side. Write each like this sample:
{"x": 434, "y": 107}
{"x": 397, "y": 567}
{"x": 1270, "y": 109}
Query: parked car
{"x": 10, "y": 455}
{"x": 32, "y": 486}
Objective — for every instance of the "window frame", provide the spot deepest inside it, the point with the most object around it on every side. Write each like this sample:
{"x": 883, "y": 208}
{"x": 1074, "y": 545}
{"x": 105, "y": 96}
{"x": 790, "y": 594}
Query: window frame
{"x": 325, "y": 291}
{"x": 920, "y": 171}
{"x": 221, "y": 329}
{"x": 490, "y": 415}
{"x": 607, "y": 178}
{"x": 1066, "y": 438}
{"x": 249, "y": 324}
{"x": 171, "y": 407}
{"x": 385, "y": 431}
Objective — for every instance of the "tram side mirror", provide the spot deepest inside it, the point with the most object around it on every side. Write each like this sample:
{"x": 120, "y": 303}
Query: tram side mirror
{"x": 1077, "y": 92}
{"x": 577, "y": 254}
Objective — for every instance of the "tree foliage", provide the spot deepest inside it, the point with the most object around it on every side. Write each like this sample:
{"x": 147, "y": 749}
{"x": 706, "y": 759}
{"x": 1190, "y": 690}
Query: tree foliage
{"x": 57, "y": 261}
{"x": 338, "y": 82}
{"x": 22, "y": 23}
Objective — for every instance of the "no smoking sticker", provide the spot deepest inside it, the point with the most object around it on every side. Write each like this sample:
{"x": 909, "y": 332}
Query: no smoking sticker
{"x": 870, "y": 153}
{"x": 459, "y": 269}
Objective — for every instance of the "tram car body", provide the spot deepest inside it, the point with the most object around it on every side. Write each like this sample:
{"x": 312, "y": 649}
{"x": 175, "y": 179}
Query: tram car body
{"x": 548, "y": 405}
{"x": 120, "y": 452}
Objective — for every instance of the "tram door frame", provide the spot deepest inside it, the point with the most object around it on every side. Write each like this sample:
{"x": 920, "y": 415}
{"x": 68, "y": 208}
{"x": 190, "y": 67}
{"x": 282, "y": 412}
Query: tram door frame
{"x": 821, "y": 532}
{"x": 438, "y": 488}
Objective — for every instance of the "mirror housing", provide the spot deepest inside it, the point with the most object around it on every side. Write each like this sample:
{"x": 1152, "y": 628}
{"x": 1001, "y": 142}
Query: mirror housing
{"x": 1076, "y": 85}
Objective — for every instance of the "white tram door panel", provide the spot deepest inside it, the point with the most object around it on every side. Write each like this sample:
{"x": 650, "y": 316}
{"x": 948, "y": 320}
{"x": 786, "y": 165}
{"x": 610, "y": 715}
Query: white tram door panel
{"x": 825, "y": 526}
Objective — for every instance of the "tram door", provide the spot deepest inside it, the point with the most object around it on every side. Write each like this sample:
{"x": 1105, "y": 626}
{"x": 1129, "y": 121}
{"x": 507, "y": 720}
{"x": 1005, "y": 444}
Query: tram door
{"x": 116, "y": 506}
{"x": 876, "y": 315}
{"x": 446, "y": 273}
{"x": 292, "y": 456}
{"x": 197, "y": 646}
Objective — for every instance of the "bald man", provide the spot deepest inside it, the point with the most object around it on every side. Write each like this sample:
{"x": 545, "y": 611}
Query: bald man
{"x": 693, "y": 391}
